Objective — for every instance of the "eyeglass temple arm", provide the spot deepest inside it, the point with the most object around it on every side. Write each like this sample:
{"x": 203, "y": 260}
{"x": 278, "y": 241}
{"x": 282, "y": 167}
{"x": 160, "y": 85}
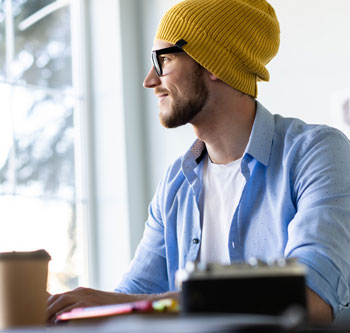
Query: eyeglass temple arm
{"x": 180, "y": 43}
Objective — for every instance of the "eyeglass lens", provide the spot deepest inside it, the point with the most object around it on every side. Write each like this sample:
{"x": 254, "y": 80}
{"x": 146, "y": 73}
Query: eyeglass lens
{"x": 155, "y": 59}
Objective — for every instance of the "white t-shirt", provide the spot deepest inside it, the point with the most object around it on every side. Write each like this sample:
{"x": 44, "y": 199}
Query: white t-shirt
{"x": 222, "y": 189}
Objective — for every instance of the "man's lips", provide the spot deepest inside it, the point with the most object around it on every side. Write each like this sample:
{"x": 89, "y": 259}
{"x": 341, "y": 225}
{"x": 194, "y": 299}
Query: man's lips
{"x": 161, "y": 95}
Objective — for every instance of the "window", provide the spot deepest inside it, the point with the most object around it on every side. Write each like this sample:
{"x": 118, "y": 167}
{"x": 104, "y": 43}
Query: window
{"x": 37, "y": 135}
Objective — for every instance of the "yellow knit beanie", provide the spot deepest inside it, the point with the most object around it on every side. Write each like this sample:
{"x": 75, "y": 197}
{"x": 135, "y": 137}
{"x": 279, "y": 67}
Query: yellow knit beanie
{"x": 233, "y": 39}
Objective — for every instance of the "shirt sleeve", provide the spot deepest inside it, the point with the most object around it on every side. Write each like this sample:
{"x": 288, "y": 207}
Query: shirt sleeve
{"x": 147, "y": 273}
{"x": 319, "y": 234}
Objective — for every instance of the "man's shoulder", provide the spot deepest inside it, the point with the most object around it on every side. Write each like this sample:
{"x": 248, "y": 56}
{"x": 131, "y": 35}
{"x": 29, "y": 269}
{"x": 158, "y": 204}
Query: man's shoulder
{"x": 297, "y": 130}
{"x": 296, "y": 141}
{"x": 278, "y": 137}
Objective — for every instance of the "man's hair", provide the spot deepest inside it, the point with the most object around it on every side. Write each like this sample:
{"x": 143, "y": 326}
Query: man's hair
{"x": 233, "y": 39}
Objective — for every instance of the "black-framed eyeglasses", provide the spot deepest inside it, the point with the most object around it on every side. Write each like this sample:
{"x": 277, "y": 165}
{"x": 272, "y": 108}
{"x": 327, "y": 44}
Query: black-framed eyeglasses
{"x": 173, "y": 49}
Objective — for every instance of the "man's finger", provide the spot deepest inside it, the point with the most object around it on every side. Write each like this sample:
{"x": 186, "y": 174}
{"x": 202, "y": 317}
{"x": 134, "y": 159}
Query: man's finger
{"x": 57, "y": 303}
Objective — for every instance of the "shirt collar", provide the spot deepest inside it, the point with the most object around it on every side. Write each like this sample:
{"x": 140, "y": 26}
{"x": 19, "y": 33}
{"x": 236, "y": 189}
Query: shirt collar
{"x": 193, "y": 156}
{"x": 259, "y": 144}
{"x": 260, "y": 140}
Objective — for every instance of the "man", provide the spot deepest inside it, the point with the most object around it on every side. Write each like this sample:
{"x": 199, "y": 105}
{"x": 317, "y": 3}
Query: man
{"x": 253, "y": 184}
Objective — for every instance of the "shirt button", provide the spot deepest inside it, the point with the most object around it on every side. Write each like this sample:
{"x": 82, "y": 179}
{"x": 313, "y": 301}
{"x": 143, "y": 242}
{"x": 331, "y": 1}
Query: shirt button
{"x": 233, "y": 244}
{"x": 195, "y": 240}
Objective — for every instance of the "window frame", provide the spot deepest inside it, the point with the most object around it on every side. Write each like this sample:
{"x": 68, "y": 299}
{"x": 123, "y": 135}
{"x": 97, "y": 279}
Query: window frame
{"x": 103, "y": 214}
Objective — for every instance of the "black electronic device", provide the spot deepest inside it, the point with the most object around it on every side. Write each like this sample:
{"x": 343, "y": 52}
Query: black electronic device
{"x": 254, "y": 287}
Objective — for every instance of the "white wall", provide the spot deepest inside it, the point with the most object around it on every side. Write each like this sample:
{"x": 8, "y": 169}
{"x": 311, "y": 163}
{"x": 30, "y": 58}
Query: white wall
{"x": 314, "y": 58}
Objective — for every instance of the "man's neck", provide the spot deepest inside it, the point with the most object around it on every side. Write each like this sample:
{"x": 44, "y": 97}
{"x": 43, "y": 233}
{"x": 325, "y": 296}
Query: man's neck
{"x": 225, "y": 129}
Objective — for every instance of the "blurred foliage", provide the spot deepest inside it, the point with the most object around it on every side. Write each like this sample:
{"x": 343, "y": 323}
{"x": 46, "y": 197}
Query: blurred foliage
{"x": 43, "y": 50}
{"x": 43, "y": 59}
{"x": 44, "y": 157}
{"x": 53, "y": 166}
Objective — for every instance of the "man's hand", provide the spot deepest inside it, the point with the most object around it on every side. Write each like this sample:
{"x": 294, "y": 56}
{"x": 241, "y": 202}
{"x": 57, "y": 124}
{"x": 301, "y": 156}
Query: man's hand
{"x": 319, "y": 311}
{"x": 85, "y": 297}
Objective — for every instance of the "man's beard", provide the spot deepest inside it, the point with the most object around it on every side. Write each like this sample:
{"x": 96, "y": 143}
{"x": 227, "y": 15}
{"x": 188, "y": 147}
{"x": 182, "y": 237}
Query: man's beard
{"x": 185, "y": 110}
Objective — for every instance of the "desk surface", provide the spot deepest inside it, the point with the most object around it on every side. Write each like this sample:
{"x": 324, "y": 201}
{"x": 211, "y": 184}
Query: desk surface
{"x": 209, "y": 323}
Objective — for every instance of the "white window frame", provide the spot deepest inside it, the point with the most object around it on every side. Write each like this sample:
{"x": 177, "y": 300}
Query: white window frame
{"x": 102, "y": 205}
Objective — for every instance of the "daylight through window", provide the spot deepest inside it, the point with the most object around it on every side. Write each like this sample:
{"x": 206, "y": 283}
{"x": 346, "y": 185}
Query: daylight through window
{"x": 37, "y": 168}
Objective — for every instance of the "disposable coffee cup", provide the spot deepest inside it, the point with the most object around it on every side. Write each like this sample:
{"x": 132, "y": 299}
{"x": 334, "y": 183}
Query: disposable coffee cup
{"x": 23, "y": 284}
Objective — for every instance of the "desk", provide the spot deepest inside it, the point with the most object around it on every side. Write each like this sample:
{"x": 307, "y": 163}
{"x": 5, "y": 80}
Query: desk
{"x": 182, "y": 324}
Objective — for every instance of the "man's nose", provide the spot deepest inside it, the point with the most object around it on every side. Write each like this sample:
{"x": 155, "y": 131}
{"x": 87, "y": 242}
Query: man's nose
{"x": 151, "y": 79}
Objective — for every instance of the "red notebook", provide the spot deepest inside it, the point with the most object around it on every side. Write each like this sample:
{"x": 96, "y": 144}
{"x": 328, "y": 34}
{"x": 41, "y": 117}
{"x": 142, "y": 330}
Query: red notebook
{"x": 106, "y": 310}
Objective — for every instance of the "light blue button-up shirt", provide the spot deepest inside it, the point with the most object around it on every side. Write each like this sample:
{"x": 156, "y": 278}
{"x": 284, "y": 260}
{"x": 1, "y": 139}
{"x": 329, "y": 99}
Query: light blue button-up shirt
{"x": 296, "y": 203}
